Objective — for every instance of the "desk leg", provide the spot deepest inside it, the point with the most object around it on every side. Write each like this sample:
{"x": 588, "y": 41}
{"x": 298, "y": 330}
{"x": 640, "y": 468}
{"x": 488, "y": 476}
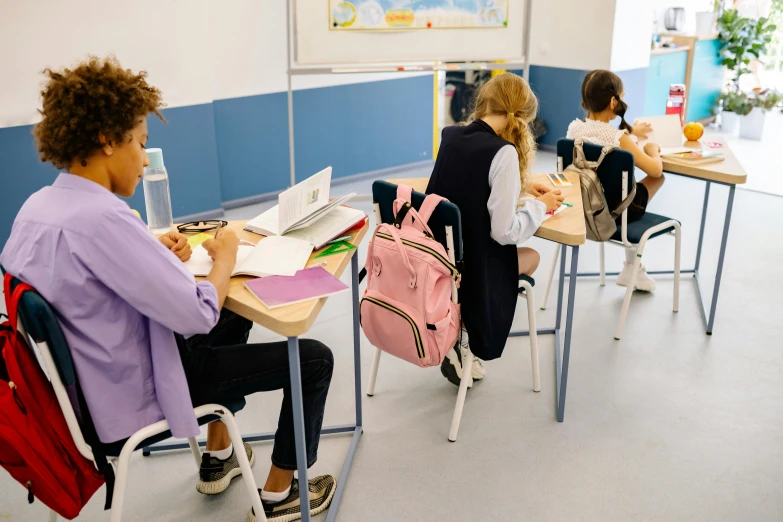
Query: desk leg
{"x": 299, "y": 431}
{"x": 716, "y": 289}
{"x": 562, "y": 369}
{"x": 357, "y": 356}
{"x": 701, "y": 227}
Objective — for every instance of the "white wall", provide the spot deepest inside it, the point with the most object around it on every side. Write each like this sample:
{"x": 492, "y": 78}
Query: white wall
{"x": 194, "y": 50}
{"x": 631, "y": 35}
{"x": 572, "y": 34}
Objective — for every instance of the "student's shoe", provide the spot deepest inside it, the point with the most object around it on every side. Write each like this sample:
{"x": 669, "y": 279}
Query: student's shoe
{"x": 477, "y": 370}
{"x": 644, "y": 282}
{"x": 451, "y": 367}
{"x": 321, "y": 492}
{"x": 215, "y": 475}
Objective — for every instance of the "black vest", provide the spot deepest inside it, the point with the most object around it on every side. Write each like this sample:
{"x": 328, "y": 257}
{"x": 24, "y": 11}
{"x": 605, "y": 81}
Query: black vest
{"x": 490, "y": 273}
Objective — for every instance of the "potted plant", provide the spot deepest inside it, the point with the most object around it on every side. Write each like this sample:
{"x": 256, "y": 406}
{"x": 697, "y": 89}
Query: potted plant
{"x": 760, "y": 102}
{"x": 743, "y": 39}
{"x": 705, "y": 20}
{"x": 733, "y": 104}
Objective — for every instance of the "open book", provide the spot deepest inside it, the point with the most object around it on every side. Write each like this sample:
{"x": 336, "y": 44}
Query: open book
{"x": 271, "y": 256}
{"x": 666, "y": 132}
{"x": 305, "y": 212}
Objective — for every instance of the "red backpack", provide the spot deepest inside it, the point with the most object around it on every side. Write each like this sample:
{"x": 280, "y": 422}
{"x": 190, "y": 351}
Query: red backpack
{"x": 36, "y": 447}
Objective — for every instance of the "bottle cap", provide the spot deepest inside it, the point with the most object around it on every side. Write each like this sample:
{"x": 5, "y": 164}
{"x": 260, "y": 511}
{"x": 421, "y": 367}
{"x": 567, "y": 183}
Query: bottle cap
{"x": 156, "y": 158}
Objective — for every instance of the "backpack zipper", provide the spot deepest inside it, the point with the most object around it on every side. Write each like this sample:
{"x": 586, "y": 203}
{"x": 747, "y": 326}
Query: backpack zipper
{"x": 17, "y": 400}
{"x": 419, "y": 246}
{"x": 416, "y": 335}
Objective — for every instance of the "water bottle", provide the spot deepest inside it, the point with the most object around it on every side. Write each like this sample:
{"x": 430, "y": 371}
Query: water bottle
{"x": 156, "y": 194}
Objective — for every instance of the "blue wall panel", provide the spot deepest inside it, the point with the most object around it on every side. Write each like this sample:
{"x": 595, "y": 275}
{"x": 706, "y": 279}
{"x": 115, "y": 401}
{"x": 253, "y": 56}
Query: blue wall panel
{"x": 559, "y": 98}
{"x": 363, "y": 127}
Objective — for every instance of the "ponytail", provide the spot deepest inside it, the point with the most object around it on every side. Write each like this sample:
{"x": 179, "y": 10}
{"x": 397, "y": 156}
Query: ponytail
{"x": 510, "y": 95}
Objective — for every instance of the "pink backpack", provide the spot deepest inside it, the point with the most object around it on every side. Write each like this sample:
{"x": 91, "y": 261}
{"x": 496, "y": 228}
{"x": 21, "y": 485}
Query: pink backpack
{"x": 407, "y": 308}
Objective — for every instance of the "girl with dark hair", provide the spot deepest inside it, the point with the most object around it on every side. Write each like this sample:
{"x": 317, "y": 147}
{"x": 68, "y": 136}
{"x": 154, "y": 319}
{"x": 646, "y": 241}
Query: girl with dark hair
{"x": 602, "y": 98}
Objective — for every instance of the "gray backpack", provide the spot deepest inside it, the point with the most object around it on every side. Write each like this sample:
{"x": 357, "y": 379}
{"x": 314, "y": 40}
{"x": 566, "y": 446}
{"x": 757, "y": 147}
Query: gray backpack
{"x": 599, "y": 220}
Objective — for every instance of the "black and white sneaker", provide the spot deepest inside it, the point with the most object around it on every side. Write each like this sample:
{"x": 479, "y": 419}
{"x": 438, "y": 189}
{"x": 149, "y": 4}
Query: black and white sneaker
{"x": 215, "y": 475}
{"x": 451, "y": 367}
{"x": 321, "y": 492}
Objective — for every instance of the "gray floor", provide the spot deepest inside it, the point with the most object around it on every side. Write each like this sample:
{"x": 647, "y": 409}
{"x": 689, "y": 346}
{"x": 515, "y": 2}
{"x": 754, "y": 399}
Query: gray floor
{"x": 667, "y": 424}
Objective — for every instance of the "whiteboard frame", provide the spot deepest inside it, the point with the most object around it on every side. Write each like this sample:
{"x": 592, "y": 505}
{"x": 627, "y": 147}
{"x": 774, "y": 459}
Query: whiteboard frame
{"x": 293, "y": 69}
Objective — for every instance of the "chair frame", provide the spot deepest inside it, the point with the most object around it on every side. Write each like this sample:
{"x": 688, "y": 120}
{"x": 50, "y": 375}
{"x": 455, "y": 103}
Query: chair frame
{"x": 121, "y": 463}
{"x": 468, "y": 362}
{"x": 625, "y": 243}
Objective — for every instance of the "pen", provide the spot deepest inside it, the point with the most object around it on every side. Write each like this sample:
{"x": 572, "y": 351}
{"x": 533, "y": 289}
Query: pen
{"x": 566, "y": 203}
{"x": 220, "y": 225}
{"x": 337, "y": 240}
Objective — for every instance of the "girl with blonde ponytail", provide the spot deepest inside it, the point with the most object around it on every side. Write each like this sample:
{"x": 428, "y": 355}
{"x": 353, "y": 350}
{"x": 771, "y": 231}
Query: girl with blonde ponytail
{"x": 482, "y": 167}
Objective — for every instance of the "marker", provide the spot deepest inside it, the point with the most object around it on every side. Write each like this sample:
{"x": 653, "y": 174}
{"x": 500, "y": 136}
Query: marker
{"x": 337, "y": 240}
{"x": 566, "y": 203}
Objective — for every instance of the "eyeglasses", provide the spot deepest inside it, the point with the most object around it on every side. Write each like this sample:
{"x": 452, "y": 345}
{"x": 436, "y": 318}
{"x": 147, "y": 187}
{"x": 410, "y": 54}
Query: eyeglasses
{"x": 195, "y": 227}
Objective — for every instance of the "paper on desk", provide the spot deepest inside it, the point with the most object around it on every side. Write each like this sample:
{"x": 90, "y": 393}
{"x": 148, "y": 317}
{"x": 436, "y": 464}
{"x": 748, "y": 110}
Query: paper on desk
{"x": 200, "y": 264}
{"x": 666, "y": 132}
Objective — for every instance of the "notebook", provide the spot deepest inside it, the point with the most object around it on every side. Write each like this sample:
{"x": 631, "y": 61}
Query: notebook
{"x": 326, "y": 228}
{"x": 312, "y": 283}
{"x": 666, "y": 132}
{"x": 271, "y": 256}
{"x": 695, "y": 157}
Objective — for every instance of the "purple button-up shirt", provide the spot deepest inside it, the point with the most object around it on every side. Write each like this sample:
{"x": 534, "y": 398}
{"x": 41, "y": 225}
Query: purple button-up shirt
{"x": 119, "y": 295}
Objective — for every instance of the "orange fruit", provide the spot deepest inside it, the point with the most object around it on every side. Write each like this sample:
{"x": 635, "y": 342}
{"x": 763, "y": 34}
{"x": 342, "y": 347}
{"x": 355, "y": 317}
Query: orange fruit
{"x": 693, "y": 131}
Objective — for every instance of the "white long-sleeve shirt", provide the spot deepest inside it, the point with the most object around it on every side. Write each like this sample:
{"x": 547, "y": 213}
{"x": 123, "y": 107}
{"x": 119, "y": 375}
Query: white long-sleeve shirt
{"x": 509, "y": 225}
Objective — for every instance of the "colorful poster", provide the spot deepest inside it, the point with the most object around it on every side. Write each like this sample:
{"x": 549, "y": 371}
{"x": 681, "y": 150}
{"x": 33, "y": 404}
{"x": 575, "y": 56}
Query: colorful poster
{"x": 371, "y": 15}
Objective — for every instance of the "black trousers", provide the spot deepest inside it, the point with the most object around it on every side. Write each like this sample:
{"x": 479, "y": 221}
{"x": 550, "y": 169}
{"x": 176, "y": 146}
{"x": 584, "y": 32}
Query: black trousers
{"x": 221, "y": 366}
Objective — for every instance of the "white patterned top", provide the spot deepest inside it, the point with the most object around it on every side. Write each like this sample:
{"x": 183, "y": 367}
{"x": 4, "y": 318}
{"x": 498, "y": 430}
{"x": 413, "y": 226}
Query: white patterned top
{"x": 594, "y": 131}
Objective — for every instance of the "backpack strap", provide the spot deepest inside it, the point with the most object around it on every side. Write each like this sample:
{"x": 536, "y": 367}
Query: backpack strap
{"x": 374, "y": 263}
{"x": 428, "y": 207}
{"x": 404, "y": 192}
{"x": 580, "y": 161}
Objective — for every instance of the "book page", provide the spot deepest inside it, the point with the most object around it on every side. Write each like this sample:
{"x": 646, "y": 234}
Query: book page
{"x": 200, "y": 264}
{"x": 303, "y": 199}
{"x": 329, "y": 226}
{"x": 276, "y": 255}
{"x": 666, "y": 132}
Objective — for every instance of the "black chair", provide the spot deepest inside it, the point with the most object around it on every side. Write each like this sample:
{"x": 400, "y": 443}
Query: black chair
{"x": 616, "y": 174}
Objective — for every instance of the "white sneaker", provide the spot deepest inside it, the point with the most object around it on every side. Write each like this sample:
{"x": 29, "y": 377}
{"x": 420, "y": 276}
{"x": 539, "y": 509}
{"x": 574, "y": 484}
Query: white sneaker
{"x": 644, "y": 282}
{"x": 477, "y": 370}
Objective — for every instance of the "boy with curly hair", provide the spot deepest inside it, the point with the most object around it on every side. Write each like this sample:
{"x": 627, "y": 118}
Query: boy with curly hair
{"x": 120, "y": 293}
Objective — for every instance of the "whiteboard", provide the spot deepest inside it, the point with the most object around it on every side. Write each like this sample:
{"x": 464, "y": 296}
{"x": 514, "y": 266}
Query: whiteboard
{"x": 316, "y": 44}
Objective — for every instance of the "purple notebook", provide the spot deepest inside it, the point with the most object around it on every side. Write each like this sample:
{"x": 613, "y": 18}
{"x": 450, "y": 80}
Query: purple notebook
{"x": 310, "y": 283}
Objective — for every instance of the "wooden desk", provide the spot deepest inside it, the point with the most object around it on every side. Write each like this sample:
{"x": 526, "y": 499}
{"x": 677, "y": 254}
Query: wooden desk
{"x": 728, "y": 171}
{"x": 293, "y": 320}
{"x": 566, "y": 228}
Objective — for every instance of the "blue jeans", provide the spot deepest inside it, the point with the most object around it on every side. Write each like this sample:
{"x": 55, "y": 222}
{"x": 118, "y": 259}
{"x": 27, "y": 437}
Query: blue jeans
{"x": 220, "y": 366}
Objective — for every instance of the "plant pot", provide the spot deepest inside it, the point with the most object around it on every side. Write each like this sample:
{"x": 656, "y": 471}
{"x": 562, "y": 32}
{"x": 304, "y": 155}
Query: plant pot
{"x": 752, "y": 125}
{"x": 705, "y": 22}
{"x": 728, "y": 122}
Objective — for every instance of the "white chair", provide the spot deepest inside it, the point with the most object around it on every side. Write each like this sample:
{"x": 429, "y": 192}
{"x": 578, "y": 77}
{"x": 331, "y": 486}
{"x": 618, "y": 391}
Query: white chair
{"x": 43, "y": 332}
{"x": 446, "y": 218}
{"x": 615, "y": 174}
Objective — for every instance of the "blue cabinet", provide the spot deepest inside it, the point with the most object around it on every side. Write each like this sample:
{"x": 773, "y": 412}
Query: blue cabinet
{"x": 664, "y": 70}
{"x": 706, "y": 79}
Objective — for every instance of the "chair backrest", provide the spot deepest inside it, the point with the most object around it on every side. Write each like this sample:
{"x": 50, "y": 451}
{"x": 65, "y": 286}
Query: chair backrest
{"x": 40, "y": 323}
{"x": 446, "y": 214}
{"x": 610, "y": 172}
